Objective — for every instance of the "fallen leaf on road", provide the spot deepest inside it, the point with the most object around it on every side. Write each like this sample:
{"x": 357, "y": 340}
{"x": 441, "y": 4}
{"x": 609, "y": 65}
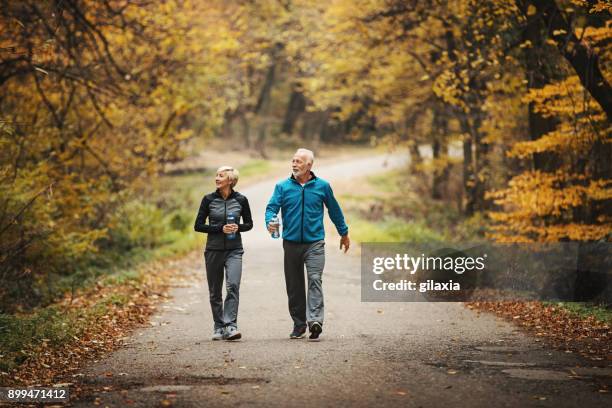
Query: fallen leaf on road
{"x": 63, "y": 384}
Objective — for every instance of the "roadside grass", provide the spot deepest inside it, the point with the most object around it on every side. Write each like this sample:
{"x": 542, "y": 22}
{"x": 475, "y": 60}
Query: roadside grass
{"x": 387, "y": 208}
{"x": 50, "y": 344}
{"x": 51, "y": 326}
{"x": 585, "y": 310}
{"x": 391, "y": 230}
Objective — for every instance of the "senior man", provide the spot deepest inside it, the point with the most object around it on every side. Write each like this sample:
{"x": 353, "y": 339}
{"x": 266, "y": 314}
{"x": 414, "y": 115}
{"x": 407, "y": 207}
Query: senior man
{"x": 301, "y": 198}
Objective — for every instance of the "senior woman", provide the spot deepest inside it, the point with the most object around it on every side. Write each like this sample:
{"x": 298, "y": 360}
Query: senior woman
{"x": 223, "y": 254}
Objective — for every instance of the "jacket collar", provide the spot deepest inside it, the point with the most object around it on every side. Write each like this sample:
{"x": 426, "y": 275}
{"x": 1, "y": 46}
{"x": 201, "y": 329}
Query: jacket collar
{"x": 312, "y": 178}
{"x": 231, "y": 194}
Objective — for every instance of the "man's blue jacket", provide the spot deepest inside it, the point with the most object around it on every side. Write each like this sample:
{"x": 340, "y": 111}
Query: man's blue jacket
{"x": 302, "y": 209}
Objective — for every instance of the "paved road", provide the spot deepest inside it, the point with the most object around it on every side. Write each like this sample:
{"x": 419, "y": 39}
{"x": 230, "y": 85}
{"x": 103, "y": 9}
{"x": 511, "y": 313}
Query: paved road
{"x": 371, "y": 354}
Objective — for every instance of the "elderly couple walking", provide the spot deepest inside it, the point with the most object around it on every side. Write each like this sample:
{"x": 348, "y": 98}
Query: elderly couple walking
{"x": 300, "y": 198}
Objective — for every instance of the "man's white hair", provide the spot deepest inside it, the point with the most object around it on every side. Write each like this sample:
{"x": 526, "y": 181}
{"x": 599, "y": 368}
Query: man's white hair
{"x": 232, "y": 173}
{"x": 308, "y": 153}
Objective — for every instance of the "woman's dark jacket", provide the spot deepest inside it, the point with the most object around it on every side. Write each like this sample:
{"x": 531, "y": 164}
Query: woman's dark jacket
{"x": 216, "y": 209}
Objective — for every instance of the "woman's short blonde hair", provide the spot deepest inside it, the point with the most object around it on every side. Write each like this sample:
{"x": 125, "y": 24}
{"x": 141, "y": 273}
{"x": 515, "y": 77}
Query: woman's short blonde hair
{"x": 232, "y": 173}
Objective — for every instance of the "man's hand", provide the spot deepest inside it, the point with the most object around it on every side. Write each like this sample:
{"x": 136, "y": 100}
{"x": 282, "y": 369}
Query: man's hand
{"x": 229, "y": 228}
{"x": 345, "y": 242}
{"x": 273, "y": 227}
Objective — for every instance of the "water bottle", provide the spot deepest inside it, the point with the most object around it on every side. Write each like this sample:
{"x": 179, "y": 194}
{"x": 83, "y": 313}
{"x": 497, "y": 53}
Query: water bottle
{"x": 231, "y": 219}
{"x": 275, "y": 222}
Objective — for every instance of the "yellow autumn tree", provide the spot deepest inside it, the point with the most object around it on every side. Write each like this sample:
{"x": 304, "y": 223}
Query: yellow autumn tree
{"x": 570, "y": 198}
{"x": 96, "y": 98}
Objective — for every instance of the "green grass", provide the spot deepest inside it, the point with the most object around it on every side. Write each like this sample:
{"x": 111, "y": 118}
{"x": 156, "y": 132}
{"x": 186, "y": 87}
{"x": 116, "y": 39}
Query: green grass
{"x": 185, "y": 189}
{"x": 583, "y": 310}
{"x": 406, "y": 216}
{"x": 357, "y": 198}
{"x": 254, "y": 168}
{"x": 392, "y": 230}
{"x": 387, "y": 182}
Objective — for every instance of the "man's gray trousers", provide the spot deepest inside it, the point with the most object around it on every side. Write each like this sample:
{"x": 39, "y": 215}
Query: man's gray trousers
{"x": 304, "y": 308}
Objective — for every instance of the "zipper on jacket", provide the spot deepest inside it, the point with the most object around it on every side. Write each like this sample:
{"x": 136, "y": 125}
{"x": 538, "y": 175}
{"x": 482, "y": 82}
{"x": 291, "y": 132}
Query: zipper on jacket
{"x": 303, "y": 189}
{"x": 224, "y": 220}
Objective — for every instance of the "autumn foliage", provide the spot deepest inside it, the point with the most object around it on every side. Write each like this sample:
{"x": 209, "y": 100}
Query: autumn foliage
{"x": 96, "y": 98}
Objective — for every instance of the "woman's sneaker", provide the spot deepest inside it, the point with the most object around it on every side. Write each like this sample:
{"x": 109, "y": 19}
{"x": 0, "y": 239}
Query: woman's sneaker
{"x": 298, "y": 332}
{"x": 315, "y": 331}
{"x": 218, "y": 334}
{"x": 232, "y": 333}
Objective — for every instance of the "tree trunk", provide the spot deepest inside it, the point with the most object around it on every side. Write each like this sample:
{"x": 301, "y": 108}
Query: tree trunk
{"x": 535, "y": 72}
{"x": 439, "y": 151}
{"x": 263, "y": 101}
{"x": 415, "y": 158}
{"x": 468, "y": 167}
{"x": 246, "y": 130}
{"x": 260, "y": 144}
{"x": 297, "y": 105}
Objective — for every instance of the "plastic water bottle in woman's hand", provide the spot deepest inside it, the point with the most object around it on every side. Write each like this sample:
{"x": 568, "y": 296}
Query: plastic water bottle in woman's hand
{"x": 231, "y": 219}
{"x": 275, "y": 223}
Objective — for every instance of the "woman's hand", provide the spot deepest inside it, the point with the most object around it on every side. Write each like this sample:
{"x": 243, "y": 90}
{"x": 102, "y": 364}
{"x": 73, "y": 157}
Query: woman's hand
{"x": 230, "y": 228}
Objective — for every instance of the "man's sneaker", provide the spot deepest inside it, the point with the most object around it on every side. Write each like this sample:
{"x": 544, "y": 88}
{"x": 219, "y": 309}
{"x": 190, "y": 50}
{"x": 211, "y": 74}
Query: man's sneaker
{"x": 315, "y": 331}
{"x": 218, "y": 334}
{"x": 298, "y": 332}
{"x": 232, "y": 333}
